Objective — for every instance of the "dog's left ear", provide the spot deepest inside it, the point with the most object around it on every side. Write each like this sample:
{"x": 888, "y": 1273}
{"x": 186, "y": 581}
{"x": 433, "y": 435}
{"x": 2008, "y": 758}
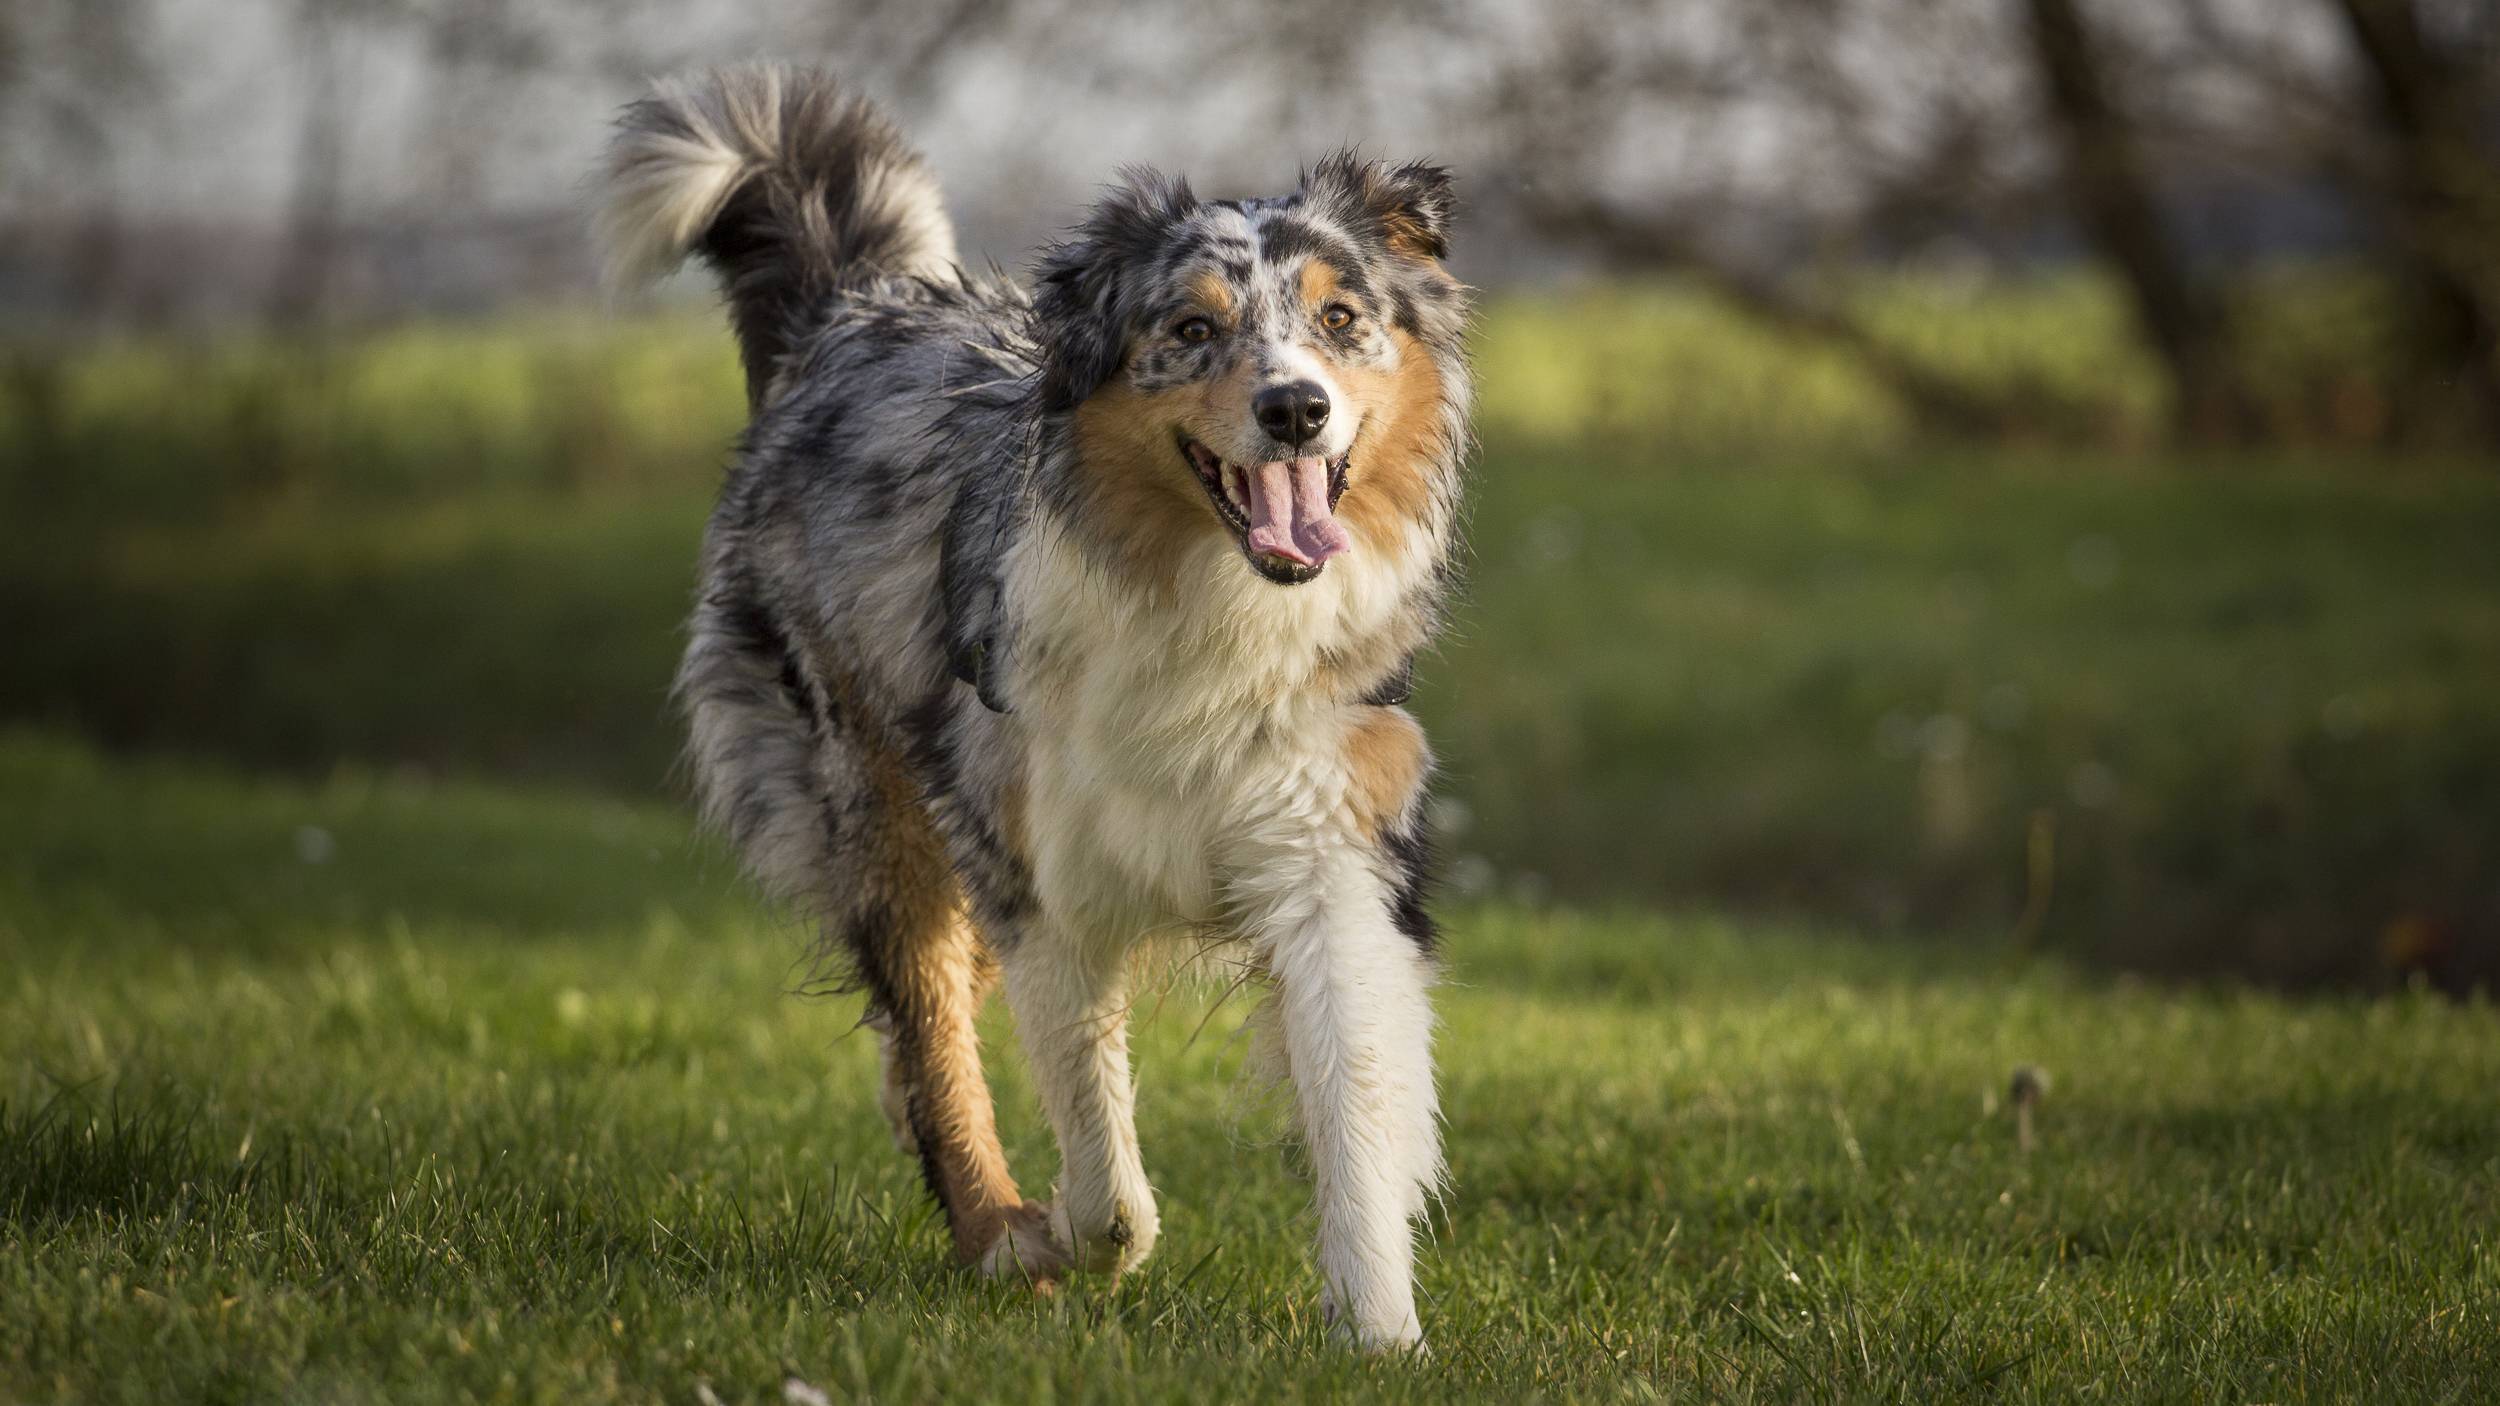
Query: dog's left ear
{"x": 1409, "y": 205}
{"x": 1080, "y": 287}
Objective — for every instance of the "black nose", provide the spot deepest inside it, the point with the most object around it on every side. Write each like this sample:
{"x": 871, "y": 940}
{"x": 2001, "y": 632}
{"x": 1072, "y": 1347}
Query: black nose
{"x": 1293, "y": 412}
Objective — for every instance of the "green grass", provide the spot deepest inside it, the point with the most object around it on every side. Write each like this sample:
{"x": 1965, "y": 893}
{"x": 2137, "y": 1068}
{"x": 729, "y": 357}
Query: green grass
{"x": 382, "y": 1089}
{"x": 1733, "y": 637}
{"x": 2251, "y": 710}
{"x": 403, "y": 1044}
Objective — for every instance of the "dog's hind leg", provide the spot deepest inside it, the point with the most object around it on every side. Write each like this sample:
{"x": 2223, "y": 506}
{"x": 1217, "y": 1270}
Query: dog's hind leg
{"x": 828, "y": 818}
{"x": 911, "y": 946}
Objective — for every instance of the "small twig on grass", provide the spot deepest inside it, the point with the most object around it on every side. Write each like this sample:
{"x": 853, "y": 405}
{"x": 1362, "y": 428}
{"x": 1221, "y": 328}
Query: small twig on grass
{"x": 2031, "y": 1083}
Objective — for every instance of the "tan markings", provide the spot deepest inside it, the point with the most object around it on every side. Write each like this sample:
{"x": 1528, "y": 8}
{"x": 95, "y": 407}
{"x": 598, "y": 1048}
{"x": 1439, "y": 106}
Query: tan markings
{"x": 1140, "y": 494}
{"x": 1143, "y": 500}
{"x": 1385, "y": 758}
{"x": 1404, "y": 446}
{"x": 931, "y": 967}
{"x": 1213, "y": 294}
{"x": 1407, "y": 235}
{"x": 1319, "y": 284}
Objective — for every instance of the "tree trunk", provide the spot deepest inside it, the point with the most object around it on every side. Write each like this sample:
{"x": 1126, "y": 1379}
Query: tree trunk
{"x": 2105, "y": 180}
{"x": 1939, "y": 403}
{"x": 301, "y": 289}
{"x": 2447, "y": 209}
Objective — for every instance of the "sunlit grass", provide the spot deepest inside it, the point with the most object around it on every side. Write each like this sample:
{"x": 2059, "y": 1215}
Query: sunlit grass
{"x": 383, "y": 1090}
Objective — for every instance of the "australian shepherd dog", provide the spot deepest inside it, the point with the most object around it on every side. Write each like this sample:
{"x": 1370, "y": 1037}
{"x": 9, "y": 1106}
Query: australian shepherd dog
{"x": 1037, "y": 627}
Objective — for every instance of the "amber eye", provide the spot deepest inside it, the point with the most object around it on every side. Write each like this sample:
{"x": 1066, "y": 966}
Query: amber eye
{"x": 1196, "y": 329}
{"x": 1338, "y": 318}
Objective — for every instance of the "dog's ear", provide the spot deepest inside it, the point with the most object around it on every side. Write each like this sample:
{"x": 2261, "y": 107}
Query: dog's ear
{"x": 1408, "y": 206}
{"x": 1081, "y": 286}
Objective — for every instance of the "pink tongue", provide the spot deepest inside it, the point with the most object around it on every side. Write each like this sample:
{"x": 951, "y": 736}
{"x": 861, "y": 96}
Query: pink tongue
{"x": 1289, "y": 514}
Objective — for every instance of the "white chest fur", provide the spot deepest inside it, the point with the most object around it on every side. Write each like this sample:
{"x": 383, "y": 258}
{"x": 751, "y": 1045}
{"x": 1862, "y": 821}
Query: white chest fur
{"x": 1186, "y": 768}
{"x": 1171, "y": 744}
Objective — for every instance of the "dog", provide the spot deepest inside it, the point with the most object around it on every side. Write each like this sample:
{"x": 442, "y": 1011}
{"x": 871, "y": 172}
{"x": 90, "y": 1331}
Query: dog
{"x": 1036, "y": 627}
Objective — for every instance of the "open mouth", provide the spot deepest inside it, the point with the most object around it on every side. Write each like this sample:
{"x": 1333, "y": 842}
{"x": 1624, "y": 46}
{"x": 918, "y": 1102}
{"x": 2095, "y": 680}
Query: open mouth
{"x": 1284, "y": 510}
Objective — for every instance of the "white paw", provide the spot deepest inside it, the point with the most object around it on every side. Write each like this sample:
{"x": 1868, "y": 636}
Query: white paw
{"x": 1119, "y": 1243}
{"x": 1398, "y": 1334}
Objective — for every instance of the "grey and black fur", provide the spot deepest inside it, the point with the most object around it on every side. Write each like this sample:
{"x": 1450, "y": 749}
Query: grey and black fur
{"x": 983, "y": 592}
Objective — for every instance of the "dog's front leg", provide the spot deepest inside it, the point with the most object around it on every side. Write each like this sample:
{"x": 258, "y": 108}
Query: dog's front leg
{"x": 1358, "y": 1040}
{"x": 1070, "y": 997}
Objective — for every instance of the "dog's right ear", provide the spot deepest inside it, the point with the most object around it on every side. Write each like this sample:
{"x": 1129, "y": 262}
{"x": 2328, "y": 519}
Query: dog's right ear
{"x": 1081, "y": 292}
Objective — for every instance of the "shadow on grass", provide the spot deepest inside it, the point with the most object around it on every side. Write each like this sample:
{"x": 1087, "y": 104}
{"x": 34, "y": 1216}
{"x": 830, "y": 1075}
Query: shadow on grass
{"x": 2217, "y": 721}
{"x": 165, "y": 855}
{"x": 493, "y": 636}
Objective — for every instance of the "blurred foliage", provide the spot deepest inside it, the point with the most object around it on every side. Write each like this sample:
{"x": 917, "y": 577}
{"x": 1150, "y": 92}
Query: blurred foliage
{"x": 570, "y": 401}
{"x": 2054, "y": 358}
{"x": 1733, "y": 635}
{"x": 163, "y": 429}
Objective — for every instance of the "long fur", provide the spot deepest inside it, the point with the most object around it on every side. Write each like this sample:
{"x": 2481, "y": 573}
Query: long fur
{"x": 790, "y": 188}
{"x": 986, "y": 675}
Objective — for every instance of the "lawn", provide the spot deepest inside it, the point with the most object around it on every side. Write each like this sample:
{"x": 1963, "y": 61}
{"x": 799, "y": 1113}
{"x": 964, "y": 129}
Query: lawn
{"x": 374, "y": 1027}
{"x": 381, "y": 1088}
{"x": 1730, "y": 639}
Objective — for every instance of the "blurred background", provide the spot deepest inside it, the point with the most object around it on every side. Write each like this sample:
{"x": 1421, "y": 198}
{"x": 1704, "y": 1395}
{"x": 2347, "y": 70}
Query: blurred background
{"x": 2021, "y": 473}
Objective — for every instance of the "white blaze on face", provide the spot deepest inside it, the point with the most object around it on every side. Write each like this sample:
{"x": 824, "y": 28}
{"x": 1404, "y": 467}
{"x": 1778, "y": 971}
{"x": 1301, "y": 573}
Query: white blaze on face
{"x": 1284, "y": 361}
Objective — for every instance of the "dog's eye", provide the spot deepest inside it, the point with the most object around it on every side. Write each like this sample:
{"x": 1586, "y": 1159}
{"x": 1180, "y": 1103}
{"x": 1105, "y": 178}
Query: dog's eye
{"x": 1196, "y": 329}
{"x": 1338, "y": 318}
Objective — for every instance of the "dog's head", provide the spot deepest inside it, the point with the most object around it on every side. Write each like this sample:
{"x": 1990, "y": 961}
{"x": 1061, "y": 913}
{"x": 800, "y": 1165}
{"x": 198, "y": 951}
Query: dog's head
{"x": 1285, "y": 371}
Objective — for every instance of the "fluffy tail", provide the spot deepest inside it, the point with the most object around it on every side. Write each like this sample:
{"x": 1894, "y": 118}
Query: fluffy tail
{"x": 787, "y": 186}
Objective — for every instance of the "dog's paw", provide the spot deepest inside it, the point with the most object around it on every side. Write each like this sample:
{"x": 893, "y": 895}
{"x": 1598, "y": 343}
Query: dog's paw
{"x": 1027, "y": 1249}
{"x": 1405, "y": 1338}
{"x": 1114, "y": 1244}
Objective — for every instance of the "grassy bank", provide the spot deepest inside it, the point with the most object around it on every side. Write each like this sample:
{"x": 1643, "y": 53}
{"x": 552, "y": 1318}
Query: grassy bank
{"x": 396, "y": 1090}
{"x": 1731, "y": 638}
